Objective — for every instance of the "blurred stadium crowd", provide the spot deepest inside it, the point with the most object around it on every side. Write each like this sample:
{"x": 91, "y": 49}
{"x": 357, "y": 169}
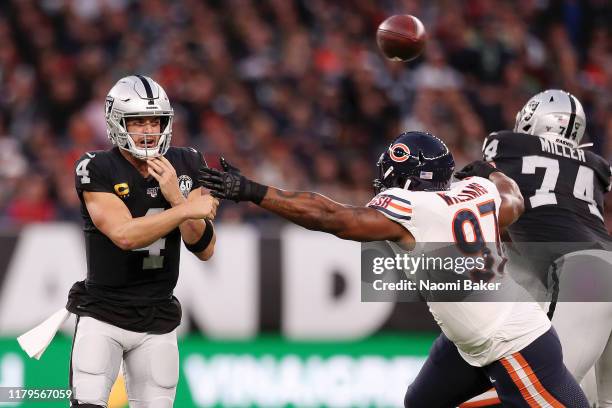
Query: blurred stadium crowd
{"x": 295, "y": 93}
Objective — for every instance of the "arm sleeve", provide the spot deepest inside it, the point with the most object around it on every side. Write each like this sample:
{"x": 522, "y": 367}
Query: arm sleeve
{"x": 604, "y": 175}
{"x": 395, "y": 207}
{"x": 490, "y": 148}
{"x": 603, "y": 169}
{"x": 196, "y": 162}
{"x": 505, "y": 145}
{"x": 89, "y": 175}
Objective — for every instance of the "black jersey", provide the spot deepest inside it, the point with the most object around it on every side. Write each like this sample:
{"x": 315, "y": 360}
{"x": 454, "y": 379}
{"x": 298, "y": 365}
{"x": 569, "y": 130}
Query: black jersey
{"x": 563, "y": 189}
{"x": 131, "y": 289}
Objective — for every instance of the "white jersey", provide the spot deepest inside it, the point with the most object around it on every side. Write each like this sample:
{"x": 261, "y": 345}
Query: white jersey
{"x": 482, "y": 331}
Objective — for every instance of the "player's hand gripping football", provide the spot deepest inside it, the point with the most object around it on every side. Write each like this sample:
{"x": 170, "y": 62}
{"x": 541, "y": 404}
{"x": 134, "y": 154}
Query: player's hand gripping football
{"x": 476, "y": 168}
{"x": 229, "y": 184}
{"x": 165, "y": 174}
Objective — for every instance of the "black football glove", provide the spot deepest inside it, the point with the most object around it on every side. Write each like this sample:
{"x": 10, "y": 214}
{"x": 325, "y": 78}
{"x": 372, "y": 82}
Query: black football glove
{"x": 228, "y": 167}
{"x": 476, "y": 168}
{"x": 229, "y": 184}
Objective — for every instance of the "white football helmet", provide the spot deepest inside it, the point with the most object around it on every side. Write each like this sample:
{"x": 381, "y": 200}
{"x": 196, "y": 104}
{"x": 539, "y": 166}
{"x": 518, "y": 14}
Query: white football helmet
{"x": 135, "y": 96}
{"x": 553, "y": 114}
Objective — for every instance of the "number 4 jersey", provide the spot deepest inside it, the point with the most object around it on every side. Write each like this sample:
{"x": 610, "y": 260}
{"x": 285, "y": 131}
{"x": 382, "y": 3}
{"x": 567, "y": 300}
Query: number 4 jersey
{"x": 131, "y": 289}
{"x": 466, "y": 214}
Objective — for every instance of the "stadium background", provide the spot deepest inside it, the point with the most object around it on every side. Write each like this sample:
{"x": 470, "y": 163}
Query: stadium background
{"x": 296, "y": 94}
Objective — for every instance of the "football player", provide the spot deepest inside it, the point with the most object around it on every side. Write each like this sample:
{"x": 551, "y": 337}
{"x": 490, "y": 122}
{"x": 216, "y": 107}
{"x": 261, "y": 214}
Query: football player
{"x": 510, "y": 345}
{"x": 562, "y": 231}
{"x": 138, "y": 200}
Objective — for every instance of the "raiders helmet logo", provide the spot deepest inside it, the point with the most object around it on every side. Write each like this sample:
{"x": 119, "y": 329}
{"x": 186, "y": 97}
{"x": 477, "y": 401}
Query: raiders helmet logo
{"x": 108, "y": 106}
{"x": 185, "y": 184}
{"x": 528, "y": 114}
{"x": 399, "y": 152}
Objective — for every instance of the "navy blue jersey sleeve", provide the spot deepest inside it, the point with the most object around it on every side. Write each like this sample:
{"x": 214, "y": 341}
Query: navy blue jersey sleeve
{"x": 90, "y": 175}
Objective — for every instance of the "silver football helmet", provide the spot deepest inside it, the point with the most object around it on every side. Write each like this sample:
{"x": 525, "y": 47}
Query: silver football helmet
{"x": 553, "y": 114}
{"x": 137, "y": 96}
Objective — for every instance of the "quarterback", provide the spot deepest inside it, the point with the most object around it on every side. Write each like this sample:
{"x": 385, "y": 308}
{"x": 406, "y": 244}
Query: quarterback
{"x": 138, "y": 200}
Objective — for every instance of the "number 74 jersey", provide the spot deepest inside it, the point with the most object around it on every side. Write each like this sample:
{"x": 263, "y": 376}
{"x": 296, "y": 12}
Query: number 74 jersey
{"x": 563, "y": 187}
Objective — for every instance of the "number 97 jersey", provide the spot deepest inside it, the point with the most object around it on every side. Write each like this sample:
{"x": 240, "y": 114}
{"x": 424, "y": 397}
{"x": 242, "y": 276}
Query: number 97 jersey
{"x": 466, "y": 216}
{"x": 563, "y": 187}
{"x": 444, "y": 216}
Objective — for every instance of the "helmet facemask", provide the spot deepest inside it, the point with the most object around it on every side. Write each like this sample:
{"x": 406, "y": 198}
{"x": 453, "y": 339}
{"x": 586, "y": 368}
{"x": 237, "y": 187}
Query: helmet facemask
{"x": 125, "y": 140}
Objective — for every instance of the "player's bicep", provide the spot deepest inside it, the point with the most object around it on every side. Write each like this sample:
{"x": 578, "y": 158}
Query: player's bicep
{"x": 107, "y": 212}
{"x": 367, "y": 224}
{"x": 512, "y": 204}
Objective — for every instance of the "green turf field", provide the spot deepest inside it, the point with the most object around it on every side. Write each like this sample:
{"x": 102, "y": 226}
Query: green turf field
{"x": 268, "y": 371}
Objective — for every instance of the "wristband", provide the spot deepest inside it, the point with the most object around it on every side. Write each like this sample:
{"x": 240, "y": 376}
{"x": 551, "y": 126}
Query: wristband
{"x": 255, "y": 191}
{"x": 203, "y": 242}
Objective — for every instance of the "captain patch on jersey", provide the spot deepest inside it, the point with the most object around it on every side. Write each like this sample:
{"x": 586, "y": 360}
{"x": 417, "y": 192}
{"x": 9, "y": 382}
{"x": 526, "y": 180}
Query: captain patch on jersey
{"x": 148, "y": 274}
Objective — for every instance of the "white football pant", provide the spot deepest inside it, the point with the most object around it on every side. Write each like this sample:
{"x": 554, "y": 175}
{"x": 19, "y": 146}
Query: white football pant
{"x": 150, "y": 364}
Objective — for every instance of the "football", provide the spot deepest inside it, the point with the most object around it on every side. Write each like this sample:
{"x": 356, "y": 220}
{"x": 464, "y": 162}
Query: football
{"x": 401, "y": 37}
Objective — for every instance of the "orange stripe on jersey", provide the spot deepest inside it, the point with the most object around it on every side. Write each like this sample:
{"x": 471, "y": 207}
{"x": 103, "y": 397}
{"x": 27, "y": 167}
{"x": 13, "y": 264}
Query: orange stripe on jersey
{"x": 536, "y": 382}
{"x": 400, "y": 207}
{"x": 481, "y": 403}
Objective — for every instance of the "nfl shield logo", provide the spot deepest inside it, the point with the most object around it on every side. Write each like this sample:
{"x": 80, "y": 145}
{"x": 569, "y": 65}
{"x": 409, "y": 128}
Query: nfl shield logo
{"x": 152, "y": 191}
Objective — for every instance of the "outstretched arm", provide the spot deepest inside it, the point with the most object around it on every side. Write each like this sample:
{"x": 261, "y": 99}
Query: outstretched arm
{"x": 308, "y": 209}
{"x": 317, "y": 212}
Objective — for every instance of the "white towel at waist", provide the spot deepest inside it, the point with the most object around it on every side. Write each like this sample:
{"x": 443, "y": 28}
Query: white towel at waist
{"x": 35, "y": 341}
